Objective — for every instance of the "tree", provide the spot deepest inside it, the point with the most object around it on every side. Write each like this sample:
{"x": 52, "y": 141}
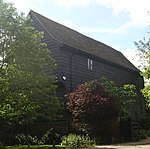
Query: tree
{"x": 127, "y": 96}
{"x": 97, "y": 101}
{"x": 143, "y": 48}
{"x": 27, "y": 80}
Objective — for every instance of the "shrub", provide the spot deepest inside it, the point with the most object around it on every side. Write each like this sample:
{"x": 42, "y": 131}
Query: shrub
{"x": 92, "y": 101}
{"x": 1, "y": 146}
{"x": 145, "y": 122}
{"x": 98, "y": 101}
{"x": 51, "y": 137}
{"x": 27, "y": 139}
{"x": 73, "y": 140}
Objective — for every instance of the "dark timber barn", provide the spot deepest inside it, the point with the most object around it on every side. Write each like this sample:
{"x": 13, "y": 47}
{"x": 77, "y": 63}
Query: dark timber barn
{"x": 81, "y": 58}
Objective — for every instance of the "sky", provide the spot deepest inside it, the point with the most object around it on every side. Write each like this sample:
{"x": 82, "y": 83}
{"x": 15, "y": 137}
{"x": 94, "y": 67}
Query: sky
{"x": 117, "y": 23}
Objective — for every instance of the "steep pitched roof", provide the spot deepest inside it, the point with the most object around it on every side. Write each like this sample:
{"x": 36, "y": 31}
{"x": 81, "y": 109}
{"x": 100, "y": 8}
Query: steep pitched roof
{"x": 70, "y": 37}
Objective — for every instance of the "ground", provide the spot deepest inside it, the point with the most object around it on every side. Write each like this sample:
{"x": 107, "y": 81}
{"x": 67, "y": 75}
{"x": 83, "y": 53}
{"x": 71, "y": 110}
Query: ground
{"x": 143, "y": 144}
{"x": 126, "y": 147}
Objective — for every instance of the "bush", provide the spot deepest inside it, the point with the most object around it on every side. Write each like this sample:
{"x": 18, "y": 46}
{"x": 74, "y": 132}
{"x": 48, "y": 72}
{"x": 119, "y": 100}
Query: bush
{"x": 1, "y": 146}
{"x": 27, "y": 139}
{"x": 51, "y": 137}
{"x": 145, "y": 122}
{"x": 99, "y": 101}
{"x": 73, "y": 140}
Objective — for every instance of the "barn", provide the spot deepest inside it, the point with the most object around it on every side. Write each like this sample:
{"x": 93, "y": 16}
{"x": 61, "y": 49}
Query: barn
{"x": 80, "y": 58}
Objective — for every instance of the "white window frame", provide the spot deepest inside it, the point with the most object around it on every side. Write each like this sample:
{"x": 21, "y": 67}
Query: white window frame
{"x": 90, "y": 64}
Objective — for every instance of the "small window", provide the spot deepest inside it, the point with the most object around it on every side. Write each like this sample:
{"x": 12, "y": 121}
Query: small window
{"x": 90, "y": 64}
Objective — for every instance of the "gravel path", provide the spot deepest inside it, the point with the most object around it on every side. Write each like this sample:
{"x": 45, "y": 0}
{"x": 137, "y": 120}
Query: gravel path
{"x": 147, "y": 146}
{"x": 144, "y": 144}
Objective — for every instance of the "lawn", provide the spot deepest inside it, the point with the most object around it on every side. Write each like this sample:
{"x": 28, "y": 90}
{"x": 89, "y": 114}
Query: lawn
{"x": 35, "y": 147}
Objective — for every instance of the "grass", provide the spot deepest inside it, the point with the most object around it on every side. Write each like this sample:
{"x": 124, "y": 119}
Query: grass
{"x": 35, "y": 147}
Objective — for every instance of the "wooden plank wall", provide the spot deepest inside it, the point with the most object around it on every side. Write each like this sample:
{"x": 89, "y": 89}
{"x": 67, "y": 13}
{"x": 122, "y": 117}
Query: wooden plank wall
{"x": 52, "y": 44}
{"x": 80, "y": 72}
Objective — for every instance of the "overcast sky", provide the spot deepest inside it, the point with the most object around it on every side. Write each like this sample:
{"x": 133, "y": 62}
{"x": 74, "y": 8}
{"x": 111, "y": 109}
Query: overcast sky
{"x": 117, "y": 23}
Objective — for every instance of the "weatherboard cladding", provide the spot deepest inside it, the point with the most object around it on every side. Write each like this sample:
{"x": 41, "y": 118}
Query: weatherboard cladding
{"x": 80, "y": 73}
{"x": 51, "y": 42}
{"x": 66, "y": 36}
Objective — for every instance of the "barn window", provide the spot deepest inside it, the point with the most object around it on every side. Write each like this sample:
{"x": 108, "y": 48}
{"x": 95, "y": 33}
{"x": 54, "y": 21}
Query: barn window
{"x": 90, "y": 64}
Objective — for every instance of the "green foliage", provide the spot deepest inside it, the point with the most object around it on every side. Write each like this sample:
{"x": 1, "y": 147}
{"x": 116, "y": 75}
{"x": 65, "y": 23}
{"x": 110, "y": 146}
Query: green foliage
{"x": 143, "y": 48}
{"x": 127, "y": 96}
{"x": 51, "y": 137}
{"x": 144, "y": 122}
{"x": 73, "y": 140}
{"x": 146, "y": 94}
{"x": 27, "y": 81}
{"x": 1, "y": 146}
{"x": 139, "y": 134}
{"x": 27, "y": 139}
